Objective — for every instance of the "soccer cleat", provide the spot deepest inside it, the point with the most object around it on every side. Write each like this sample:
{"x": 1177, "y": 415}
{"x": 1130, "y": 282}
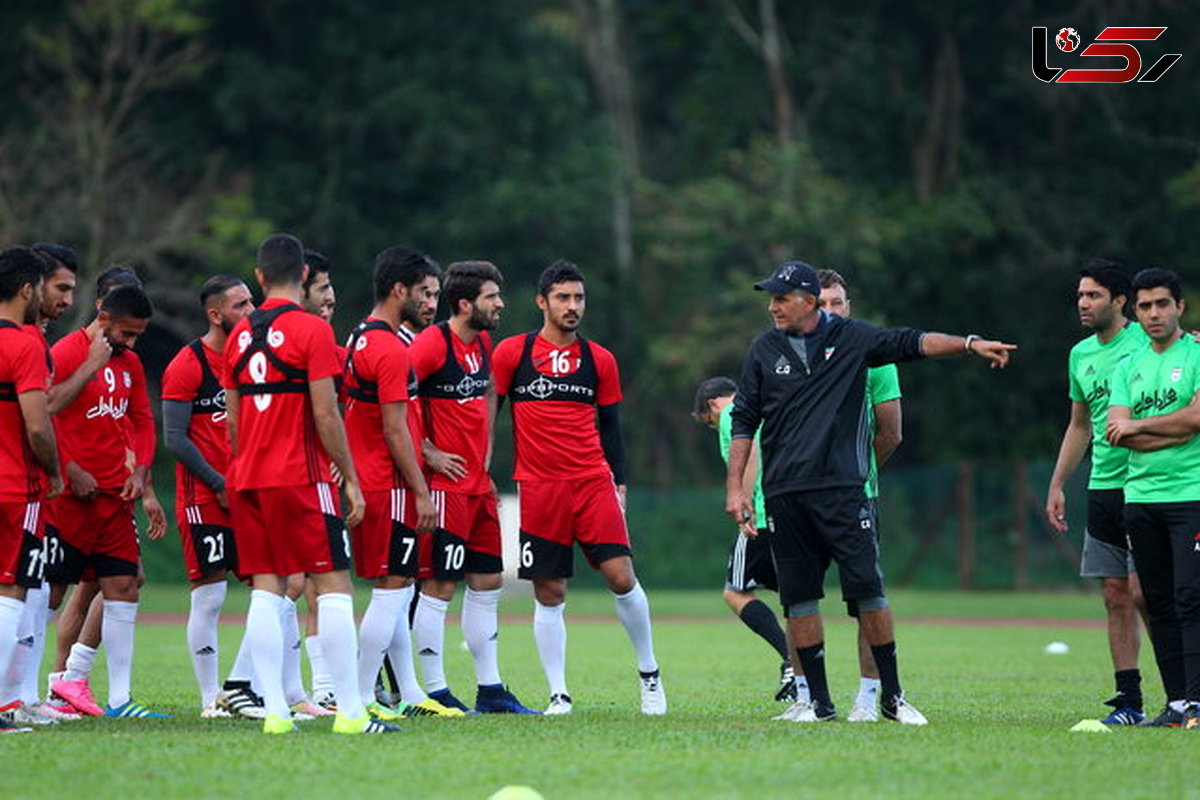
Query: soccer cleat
{"x": 431, "y": 708}
{"x": 863, "y": 712}
{"x": 364, "y": 724}
{"x": 306, "y": 709}
{"x": 79, "y": 695}
{"x": 277, "y": 724}
{"x": 807, "y": 711}
{"x": 499, "y": 700}
{"x": 654, "y": 696}
{"x": 63, "y": 713}
{"x": 214, "y": 711}
{"x": 1169, "y": 718}
{"x": 1191, "y": 718}
{"x": 325, "y": 699}
{"x": 1124, "y": 716}
{"x": 787, "y": 684}
{"x": 241, "y": 701}
{"x": 447, "y": 699}
{"x": 17, "y": 713}
{"x": 900, "y": 710}
{"x": 379, "y": 711}
{"x": 560, "y": 706}
{"x": 7, "y": 727}
{"x": 133, "y": 710}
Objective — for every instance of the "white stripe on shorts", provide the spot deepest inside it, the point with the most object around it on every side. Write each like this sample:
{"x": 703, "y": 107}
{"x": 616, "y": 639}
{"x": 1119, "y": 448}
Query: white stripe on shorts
{"x": 326, "y": 499}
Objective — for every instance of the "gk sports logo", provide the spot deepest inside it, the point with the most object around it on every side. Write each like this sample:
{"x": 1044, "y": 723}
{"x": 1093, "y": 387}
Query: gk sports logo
{"x": 1113, "y": 42}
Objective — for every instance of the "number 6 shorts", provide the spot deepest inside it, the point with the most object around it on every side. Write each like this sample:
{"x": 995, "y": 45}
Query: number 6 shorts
{"x": 207, "y": 535}
{"x": 22, "y": 554}
{"x": 283, "y": 530}
{"x": 466, "y": 539}
{"x": 556, "y": 514}
{"x": 98, "y": 535}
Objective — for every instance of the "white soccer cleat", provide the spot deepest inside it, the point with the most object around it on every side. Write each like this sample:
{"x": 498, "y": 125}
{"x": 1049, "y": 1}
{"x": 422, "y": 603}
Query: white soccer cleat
{"x": 241, "y": 701}
{"x": 21, "y": 715}
{"x": 807, "y": 711}
{"x": 560, "y": 706}
{"x": 654, "y": 697}
{"x": 903, "y": 712}
{"x": 47, "y": 710}
{"x": 862, "y": 712}
{"x": 214, "y": 711}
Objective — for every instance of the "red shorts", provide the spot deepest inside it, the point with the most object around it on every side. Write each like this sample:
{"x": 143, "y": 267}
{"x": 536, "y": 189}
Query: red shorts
{"x": 555, "y": 514}
{"x": 385, "y": 542}
{"x": 206, "y": 531}
{"x": 97, "y": 537}
{"x": 22, "y": 550}
{"x": 466, "y": 540}
{"x": 283, "y": 530}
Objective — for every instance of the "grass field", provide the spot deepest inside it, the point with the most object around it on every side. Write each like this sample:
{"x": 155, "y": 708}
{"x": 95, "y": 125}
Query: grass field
{"x": 999, "y": 714}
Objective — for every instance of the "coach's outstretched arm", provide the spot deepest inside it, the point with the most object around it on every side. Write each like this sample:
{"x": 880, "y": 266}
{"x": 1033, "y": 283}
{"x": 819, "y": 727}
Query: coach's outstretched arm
{"x": 332, "y": 434}
{"x": 941, "y": 345}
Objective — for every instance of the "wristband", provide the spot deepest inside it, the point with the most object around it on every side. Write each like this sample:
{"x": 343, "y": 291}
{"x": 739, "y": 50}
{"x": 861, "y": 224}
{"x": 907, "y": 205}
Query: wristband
{"x": 971, "y": 338}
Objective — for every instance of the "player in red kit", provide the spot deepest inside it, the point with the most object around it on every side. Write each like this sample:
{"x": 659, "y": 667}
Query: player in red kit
{"x": 29, "y": 463}
{"x": 193, "y": 405}
{"x": 570, "y": 469}
{"x": 284, "y": 428}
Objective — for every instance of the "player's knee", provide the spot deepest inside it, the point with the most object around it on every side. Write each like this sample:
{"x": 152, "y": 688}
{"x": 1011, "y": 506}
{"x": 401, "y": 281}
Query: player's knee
{"x": 804, "y": 608}
{"x": 1116, "y": 594}
{"x": 550, "y": 593}
{"x": 295, "y": 586}
{"x": 122, "y": 588}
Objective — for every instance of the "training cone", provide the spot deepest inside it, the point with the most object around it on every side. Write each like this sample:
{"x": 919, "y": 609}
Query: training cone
{"x": 1090, "y": 726}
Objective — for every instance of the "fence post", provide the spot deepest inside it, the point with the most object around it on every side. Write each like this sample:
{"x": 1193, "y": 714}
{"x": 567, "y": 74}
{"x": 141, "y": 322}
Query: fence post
{"x": 965, "y": 494}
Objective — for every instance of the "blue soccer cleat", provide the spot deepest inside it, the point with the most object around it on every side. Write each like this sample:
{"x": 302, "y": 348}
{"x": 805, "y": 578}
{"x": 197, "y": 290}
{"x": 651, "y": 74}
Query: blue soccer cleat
{"x": 495, "y": 699}
{"x": 133, "y": 710}
{"x": 447, "y": 699}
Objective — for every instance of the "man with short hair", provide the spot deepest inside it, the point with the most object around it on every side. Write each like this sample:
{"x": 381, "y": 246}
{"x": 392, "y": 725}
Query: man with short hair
{"x": 193, "y": 405}
{"x": 804, "y": 383}
{"x": 570, "y": 467}
{"x": 29, "y": 462}
{"x": 1154, "y": 411}
{"x": 284, "y": 428}
{"x": 1101, "y": 299}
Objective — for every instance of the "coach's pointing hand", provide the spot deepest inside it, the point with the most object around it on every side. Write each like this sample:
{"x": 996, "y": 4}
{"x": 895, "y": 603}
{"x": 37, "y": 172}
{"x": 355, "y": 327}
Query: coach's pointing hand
{"x": 996, "y": 352}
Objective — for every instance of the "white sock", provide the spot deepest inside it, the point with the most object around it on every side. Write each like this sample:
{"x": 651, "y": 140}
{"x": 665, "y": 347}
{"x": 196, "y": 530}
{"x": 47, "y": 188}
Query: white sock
{"x": 243, "y": 662}
{"x": 481, "y": 629}
{"x": 116, "y": 630}
{"x": 203, "y": 618}
{"x": 266, "y": 648}
{"x": 550, "y": 633}
{"x": 802, "y": 693}
{"x": 335, "y": 620}
{"x": 868, "y": 692}
{"x": 289, "y": 623}
{"x": 429, "y": 637}
{"x": 379, "y": 624}
{"x": 1179, "y": 705}
{"x": 79, "y": 662}
{"x": 400, "y": 654}
{"x": 321, "y": 682}
{"x": 633, "y": 609}
{"x": 37, "y": 601}
{"x": 12, "y": 679}
{"x": 11, "y": 611}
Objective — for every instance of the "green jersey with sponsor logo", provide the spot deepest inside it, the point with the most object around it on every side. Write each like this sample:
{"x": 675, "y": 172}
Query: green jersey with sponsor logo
{"x": 883, "y": 384}
{"x": 1090, "y": 367}
{"x": 725, "y": 435}
{"x": 1151, "y": 384}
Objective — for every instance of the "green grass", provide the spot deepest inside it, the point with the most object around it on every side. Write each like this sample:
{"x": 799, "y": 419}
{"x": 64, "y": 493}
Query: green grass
{"x": 999, "y": 711}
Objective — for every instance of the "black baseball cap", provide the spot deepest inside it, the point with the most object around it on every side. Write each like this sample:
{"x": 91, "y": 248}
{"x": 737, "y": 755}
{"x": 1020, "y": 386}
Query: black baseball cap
{"x": 791, "y": 276}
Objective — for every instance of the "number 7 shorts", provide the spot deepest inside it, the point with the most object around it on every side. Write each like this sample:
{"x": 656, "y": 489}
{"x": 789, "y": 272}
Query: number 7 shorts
{"x": 284, "y": 530}
{"x": 556, "y": 514}
{"x": 207, "y": 535}
{"x": 22, "y": 555}
{"x": 385, "y": 542}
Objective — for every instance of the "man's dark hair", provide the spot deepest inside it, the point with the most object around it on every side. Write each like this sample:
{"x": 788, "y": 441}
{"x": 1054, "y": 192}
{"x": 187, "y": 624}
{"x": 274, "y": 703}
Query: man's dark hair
{"x": 831, "y": 277}
{"x": 281, "y": 259}
{"x": 114, "y": 276}
{"x": 216, "y": 286}
{"x": 400, "y": 265}
{"x": 711, "y": 389}
{"x": 558, "y": 272}
{"x": 1112, "y": 275}
{"x": 318, "y": 264}
{"x": 18, "y": 266}
{"x": 465, "y": 279}
{"x": 61, "y": 256}
{"x": 1155, "y": 277}
{"x": 127, "y": 301}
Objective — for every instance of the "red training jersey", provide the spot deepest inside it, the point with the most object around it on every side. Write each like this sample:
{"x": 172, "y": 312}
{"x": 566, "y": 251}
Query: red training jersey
{"x": 23, "y": 368}
{"x": 554, "y": 392}
{"x": 277, "y": 435}
{"x": 109, "y": 427}
{"x": 416, "y": 413}
{"x": 379, "y": 373}
{"x": 454, "y": 378}
{"x": 190, "y": 380}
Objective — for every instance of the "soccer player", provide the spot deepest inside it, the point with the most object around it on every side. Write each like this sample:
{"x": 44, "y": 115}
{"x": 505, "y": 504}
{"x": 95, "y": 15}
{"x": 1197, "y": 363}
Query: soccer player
{"x": 107, "y": 440}
{"x": 29, "y": 462}
{"x": 284, "y": 428}
{"x": 884, "y": 426}
{"x": 1101, "y": 300}
{"x": 804, "y": 383}
{"x": 193, "y": 405}
{"x": 570, "y": 467}
{"x": 398, "y": 505}
{"x": 1154, "y": 412}
{"x": 452, "y": 361}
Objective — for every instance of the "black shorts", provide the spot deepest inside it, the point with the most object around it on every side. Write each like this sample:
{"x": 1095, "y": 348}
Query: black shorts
{"x": 810, "y": 530}
{"x": 873, "y": 506}
{"x": 1106, "y": 517}
{"x": 750, "y": 566}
